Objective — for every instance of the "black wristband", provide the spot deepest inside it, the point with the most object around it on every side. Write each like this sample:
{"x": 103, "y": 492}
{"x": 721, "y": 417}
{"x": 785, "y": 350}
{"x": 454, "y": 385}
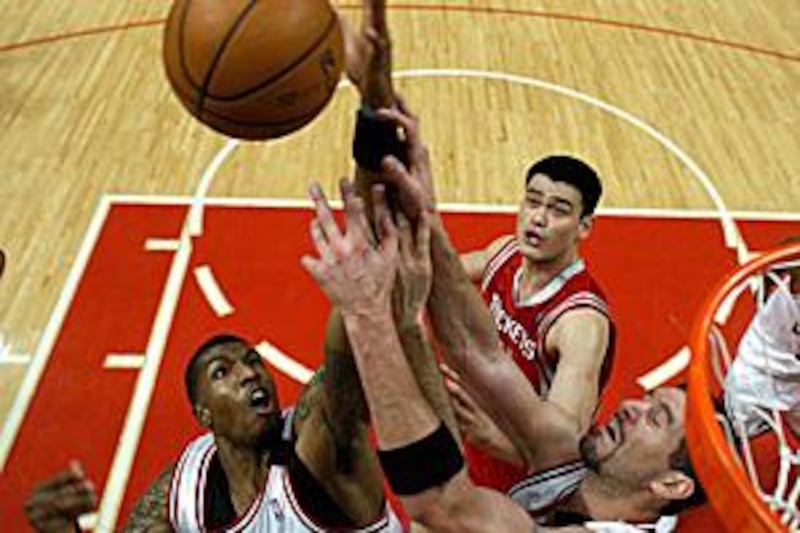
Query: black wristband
{"x": 374, "y": 139}
{"x": 423, "y": 464}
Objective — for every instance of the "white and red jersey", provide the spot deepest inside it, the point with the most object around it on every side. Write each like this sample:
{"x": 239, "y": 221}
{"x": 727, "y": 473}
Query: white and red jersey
{"x": 545, "y": 492}
{"x": 766, "y": 372}
{"x": 198, "y": 484}
{"x": 523, "y": 326}
{"x": 546, "y": 496}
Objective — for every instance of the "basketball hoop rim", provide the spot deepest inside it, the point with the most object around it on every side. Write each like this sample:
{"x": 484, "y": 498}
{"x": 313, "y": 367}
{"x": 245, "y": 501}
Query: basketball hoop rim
{"x": 708, "y": 446}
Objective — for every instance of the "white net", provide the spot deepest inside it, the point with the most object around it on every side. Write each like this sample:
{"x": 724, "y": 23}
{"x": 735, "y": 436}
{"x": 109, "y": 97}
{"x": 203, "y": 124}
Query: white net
{"x": 755, "y": 356}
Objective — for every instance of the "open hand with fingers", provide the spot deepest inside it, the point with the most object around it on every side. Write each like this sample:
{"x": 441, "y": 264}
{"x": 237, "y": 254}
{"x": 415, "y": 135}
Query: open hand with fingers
{"x": 355, "y": 273}
{"x": 415, "y": 271}
{"x": 56, "y": 504}
{"x": 475, "y": 423}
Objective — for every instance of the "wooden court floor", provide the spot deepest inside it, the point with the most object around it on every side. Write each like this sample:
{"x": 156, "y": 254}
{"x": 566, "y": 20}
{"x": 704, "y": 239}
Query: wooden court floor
{"x": 671, "y": 101}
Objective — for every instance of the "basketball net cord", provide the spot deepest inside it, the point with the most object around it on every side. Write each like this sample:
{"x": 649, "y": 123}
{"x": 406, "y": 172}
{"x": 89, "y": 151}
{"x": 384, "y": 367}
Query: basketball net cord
{"x": 783, "y": 500}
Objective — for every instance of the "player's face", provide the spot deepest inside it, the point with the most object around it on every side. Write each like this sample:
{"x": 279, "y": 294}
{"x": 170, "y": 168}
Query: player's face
{"x": 549, "y": 223}
{"x": 638, "y": 441}
{"x": 239, "y": 393}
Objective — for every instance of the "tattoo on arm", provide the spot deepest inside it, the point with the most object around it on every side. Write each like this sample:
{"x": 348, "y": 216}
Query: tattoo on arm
{"x": 336, "y": 396}
{"x": 345, "y": 406}
{"x": 151, "y": 510}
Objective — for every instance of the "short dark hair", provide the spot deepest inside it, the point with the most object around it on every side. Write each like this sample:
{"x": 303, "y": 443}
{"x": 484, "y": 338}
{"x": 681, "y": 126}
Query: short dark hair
{"x": 193, "y": 368}
{"x": 574, "y": 172}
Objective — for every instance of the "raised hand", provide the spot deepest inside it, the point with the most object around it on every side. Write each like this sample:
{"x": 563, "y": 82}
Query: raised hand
{"x": 414, "y": 182}
{"x": 368, "y": 55}
{"x": 475, "y": 424}
{"x": 415, "y": 271}
{"x": 356, "y": 274}
{"x": 56, "y": 504}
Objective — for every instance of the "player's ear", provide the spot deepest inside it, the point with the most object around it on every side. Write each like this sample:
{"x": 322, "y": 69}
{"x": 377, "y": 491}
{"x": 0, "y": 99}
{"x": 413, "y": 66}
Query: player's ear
{"x": 673, "y": 485}
{"x": 585, "y": 226}
{"x": 203, "y": 415}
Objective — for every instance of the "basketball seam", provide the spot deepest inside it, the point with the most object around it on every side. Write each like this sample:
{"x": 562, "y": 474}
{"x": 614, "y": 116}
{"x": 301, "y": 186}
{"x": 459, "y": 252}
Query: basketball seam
{"x": 310, "y": 50}
{"x": 181, "y": 47}
{"x": 239, "y": 122}
{"x": 220, "y": 50}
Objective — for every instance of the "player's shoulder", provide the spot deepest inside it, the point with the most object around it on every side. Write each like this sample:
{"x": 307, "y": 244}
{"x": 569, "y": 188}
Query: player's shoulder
{"x": 504, "y": 241}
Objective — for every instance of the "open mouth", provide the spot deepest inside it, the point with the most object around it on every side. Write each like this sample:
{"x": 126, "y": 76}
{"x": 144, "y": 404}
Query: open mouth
{"x": 260, "y": 401}
{"x": 614, "y": 431}
{"x": 533, "y": 238}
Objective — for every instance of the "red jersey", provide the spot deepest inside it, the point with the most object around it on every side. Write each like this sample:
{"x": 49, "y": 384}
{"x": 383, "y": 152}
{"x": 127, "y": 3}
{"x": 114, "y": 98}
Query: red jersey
{"x": 523, "y": 328}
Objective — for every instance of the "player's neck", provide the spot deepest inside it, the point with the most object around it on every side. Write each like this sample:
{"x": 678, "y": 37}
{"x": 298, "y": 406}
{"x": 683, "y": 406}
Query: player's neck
{"x": 537, "y": 274}
{"x": 245, "y": 469}
{"x": 600, "y": 499}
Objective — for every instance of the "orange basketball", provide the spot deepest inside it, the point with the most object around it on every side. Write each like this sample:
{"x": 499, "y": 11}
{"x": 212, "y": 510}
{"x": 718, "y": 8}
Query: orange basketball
{"x": 253, "y": 69}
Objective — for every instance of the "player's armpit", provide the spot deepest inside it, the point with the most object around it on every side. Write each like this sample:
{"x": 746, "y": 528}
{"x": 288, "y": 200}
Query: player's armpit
{"x": 580, "y": 339}
{"x": 150, "y": 513}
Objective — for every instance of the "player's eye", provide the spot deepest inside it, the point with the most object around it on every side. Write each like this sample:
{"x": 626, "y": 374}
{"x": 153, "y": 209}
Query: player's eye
{"x": 218, "y": 372}
{"x": 533, "y": 201}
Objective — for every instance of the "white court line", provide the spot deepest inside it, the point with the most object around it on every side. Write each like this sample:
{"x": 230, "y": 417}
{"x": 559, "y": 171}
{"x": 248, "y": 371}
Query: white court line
{"x": 126, "y": 361}
{"x": 286, "y": 364}
{"x": 5, "y": 440}
{"x": 298, "y": 203}
{"x": 15, "y": 359}
{"x": 128, "y": 444}
{"x": 121, "y": 466}
{"x": 733, "y": 238}
{"x": 195, "y": 220}
{"x": 161, "y": 245}
{"x": 34, "y": 373}
{"x": 87, "y": 522}
{"x": 212, "y": 291}
{"x": 725, "y": 308}
{"x": 666, "y": 370}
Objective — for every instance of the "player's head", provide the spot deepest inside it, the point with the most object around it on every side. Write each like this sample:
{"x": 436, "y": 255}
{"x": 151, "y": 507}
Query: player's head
{"x": 642, "y": 452}
{"x": 561, "y": 194}
{"x": 232, "y": 392}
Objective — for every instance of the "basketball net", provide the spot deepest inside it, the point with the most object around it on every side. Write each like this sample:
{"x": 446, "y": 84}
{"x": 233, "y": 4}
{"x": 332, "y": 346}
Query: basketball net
{"x": 746, "y": 361}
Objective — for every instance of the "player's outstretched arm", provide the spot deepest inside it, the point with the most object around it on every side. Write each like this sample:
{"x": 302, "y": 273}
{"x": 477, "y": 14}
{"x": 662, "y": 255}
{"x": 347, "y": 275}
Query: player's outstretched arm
{"x": 150, "y": 513}
{"x": 331, "y": 432}
{"x": 464, "y": 327}
{"x": 358, "y": 277}
{"x": 55, "y": 505}
{"x": 409, "y": 300}
{"x": 368, "y": 55}
{"x": 476, "y": 425}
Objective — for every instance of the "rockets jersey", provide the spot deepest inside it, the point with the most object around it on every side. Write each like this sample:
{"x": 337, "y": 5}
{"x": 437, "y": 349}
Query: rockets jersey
{"x": 523, "y": 328}
{"x": 199, "y": 485}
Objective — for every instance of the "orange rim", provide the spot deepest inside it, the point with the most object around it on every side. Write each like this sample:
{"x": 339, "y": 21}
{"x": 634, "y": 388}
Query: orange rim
{"x": 729, "y": 489}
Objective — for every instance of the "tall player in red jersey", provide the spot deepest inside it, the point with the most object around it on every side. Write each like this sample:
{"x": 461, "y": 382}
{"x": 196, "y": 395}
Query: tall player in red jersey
{"x": 551, "y": 315}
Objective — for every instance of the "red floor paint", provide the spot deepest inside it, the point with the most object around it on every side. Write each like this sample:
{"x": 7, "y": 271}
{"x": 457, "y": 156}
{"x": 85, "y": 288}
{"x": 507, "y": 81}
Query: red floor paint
{"x": 656, "y": 271}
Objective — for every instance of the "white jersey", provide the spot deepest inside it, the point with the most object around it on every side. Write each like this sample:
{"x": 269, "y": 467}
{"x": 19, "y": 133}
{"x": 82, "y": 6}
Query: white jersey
{"x": 766, "y": 370}
{"x": 275, "y": 510}
{"x": 546, "y": 492}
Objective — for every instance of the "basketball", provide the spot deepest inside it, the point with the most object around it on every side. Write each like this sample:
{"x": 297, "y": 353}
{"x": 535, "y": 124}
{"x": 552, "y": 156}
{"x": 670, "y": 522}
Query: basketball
{"x": 253, "y": 70}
